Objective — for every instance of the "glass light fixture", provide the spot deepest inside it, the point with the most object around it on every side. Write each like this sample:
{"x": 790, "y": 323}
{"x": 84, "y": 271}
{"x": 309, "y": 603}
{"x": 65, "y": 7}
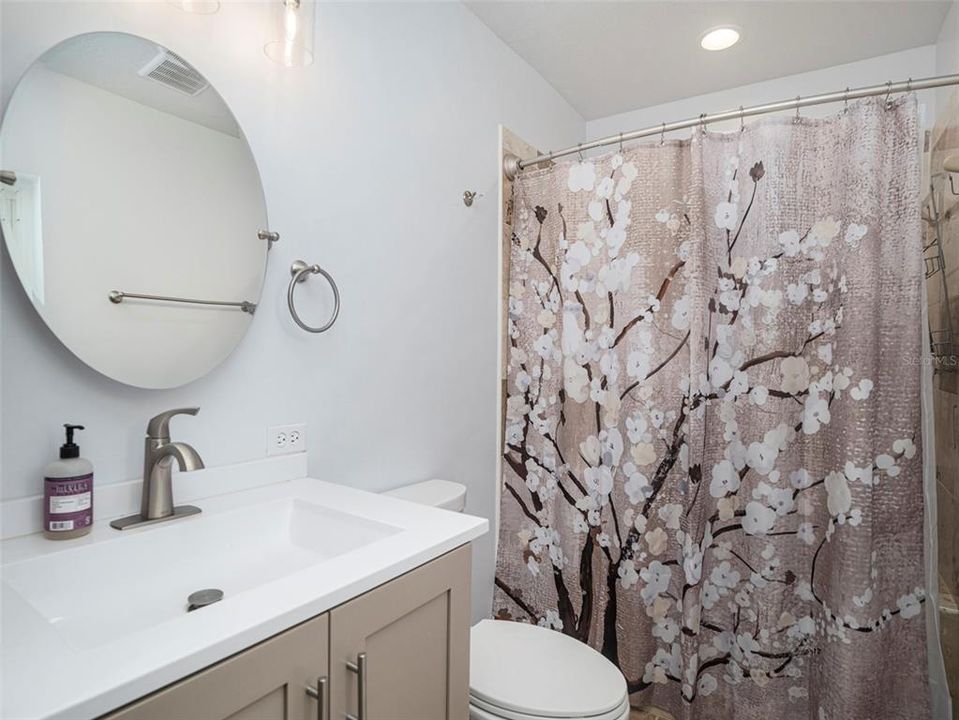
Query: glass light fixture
{"x": 199, "y": 7}
{"x": 720, "y": 38}
{"x": 291, "y": 33}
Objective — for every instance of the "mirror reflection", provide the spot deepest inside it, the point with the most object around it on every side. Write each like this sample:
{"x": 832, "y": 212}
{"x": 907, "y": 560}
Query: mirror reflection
{"x": 130, "y": 208}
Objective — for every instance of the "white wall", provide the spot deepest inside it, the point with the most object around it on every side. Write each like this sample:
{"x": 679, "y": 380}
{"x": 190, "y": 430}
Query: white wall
{"x": 947, "y": 47}
{"x": 364, "y": 158}
{"x": 916, "y": 63}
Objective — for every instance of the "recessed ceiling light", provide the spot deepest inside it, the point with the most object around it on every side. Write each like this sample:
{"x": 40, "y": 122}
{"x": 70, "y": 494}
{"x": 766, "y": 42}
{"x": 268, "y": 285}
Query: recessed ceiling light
{"x": 720, "y": 38}
{"x": 200, "y": 7}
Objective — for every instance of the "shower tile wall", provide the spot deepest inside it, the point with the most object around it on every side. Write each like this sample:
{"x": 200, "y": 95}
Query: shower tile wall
{"x": 945, "y": 141}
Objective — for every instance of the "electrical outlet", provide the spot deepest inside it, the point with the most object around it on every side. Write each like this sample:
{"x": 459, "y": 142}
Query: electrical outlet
{"x": 285, "y": 439}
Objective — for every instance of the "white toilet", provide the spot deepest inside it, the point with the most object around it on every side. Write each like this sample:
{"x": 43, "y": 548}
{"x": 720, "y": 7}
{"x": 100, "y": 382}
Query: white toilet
{"x": 520, "y": 671}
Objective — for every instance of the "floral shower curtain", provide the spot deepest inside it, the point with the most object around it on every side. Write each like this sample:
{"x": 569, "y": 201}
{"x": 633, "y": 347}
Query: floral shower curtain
{"x": 712, "y": 472}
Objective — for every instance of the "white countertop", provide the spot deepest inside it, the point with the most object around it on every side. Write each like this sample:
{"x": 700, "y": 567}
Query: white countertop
{"x": 44, "y": 676}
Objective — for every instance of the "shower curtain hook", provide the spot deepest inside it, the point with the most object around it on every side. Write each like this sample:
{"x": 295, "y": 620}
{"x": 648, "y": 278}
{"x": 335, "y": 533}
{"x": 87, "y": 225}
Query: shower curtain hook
{"x": 702, "y": 123}
{"x": 621, "y": 143}
{"x": 742, "y": 119}
{"x": 845, "y": 101}
{"x": 662, "y": 135}
{"x": 797, "y": 118}
{"x": 579, "y": 148}
{"x": 909, "y": 85}
{"x": 888, "y": 94}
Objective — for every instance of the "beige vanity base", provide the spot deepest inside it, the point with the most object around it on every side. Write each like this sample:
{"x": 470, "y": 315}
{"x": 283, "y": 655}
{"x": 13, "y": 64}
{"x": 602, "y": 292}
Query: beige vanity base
{"x": 414, "y": 631}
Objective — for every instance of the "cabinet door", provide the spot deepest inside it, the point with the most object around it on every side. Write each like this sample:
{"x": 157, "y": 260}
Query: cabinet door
{"x": 414, "y": 631}
{"x": 267, "y": 682}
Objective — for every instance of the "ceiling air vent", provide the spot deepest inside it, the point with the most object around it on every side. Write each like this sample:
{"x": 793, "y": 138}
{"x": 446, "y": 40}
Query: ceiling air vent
{"x": 174, "y": 72}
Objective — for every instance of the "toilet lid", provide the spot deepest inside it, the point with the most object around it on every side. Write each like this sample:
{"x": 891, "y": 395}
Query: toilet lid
{"x": 528, "y": 669}
{"x": 483, "y": 711}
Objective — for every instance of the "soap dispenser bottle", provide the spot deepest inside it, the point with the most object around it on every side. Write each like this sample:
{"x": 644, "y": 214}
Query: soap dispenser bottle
{"x": 68, "y": 492}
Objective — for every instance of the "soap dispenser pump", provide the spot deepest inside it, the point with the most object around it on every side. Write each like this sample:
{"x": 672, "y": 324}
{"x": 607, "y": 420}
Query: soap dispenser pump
{"x": 68, "y": 492}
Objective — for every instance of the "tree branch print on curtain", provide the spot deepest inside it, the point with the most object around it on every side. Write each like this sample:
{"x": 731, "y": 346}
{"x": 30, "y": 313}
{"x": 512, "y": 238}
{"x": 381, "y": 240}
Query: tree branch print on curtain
{"x": 712, "y": 466}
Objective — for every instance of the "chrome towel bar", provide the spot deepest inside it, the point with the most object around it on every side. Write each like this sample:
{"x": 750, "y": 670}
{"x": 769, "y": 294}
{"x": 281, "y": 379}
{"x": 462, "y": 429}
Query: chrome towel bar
{"x": 299, "y": 271}
{"x": 118, "y": 296}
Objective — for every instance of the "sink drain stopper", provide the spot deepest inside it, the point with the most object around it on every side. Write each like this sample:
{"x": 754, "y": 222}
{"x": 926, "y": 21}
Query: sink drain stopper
{"x": 202, "y": 598}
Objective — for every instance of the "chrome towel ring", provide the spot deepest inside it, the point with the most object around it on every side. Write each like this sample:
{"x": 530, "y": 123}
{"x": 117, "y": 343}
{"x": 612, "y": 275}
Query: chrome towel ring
{"x": 299, "y": 270}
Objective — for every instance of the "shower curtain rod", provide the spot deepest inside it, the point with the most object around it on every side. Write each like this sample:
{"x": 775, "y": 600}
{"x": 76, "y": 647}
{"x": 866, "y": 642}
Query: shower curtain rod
{"x": 512, "y": 164}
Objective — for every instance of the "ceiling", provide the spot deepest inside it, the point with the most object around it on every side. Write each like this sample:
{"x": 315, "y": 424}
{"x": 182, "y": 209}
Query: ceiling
{"x": 111, "y": 61}
{"x": 610, "y": 57}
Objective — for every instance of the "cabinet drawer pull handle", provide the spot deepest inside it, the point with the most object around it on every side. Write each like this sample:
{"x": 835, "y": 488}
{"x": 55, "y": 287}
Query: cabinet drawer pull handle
{"x": 359, "y": 667}
{"x": 319, "y": 693}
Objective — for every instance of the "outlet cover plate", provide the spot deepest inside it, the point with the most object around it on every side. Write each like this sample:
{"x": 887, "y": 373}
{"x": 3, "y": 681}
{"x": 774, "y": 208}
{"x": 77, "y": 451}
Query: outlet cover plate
{"x": 286, "y": 439}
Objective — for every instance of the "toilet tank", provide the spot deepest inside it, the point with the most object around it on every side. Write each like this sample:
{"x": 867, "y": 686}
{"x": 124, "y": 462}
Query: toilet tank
{"x": 438, "y": 493}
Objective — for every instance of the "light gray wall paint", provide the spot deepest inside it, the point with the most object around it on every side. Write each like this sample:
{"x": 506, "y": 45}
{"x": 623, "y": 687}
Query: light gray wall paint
{"x": 947, "y": 47}
{"x": 364, "y": 158}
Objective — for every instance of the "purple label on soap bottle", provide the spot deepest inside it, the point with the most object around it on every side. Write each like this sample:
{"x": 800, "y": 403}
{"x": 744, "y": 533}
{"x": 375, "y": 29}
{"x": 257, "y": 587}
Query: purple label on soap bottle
{"x": 67, "y": 503}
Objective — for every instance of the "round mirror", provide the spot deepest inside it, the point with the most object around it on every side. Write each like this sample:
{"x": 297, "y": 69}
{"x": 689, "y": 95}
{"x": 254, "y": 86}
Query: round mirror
{"x": 131, "y": 206}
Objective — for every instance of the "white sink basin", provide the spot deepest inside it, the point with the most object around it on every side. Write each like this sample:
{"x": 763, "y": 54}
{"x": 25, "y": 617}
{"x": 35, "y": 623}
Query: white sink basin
{"x": 106, "y": 614}
{"x": 142, "y": 579}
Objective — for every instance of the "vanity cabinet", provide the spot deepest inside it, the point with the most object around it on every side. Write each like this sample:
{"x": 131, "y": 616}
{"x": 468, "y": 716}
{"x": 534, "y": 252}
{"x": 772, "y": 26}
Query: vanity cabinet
{"x": 265, "y": 682}
{"x": 414, "y": 632}
{"x": 397, "y": 652}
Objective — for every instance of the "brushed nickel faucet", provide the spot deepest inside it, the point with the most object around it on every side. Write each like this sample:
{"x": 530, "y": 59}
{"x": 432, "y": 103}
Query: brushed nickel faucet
{"x": 159, "y": 454}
